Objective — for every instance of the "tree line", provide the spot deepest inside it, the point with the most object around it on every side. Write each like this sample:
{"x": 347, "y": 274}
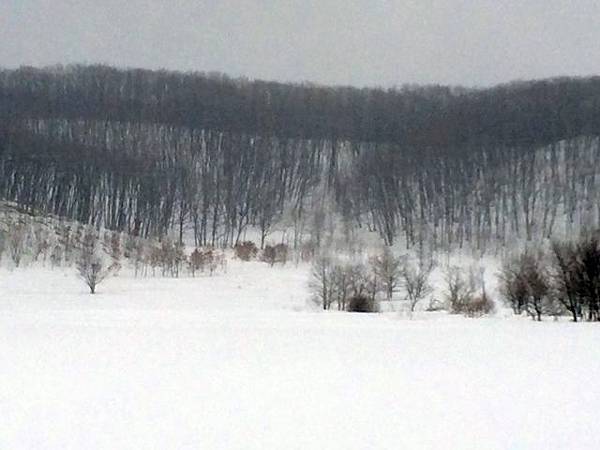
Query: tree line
{"x": 563, "y": 280}
{"x": 153, "y": 153}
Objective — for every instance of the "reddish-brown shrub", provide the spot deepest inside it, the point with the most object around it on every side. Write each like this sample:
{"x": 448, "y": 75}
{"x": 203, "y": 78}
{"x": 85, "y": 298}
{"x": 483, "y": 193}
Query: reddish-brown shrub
{"x": 246, "y": 251}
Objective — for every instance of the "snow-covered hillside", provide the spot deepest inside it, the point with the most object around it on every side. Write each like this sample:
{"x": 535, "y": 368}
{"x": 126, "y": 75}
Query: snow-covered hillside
{"x": 243, "y": 361}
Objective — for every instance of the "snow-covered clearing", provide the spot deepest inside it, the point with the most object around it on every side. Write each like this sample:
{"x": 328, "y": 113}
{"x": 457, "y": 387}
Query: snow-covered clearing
{"x": 241, "y": 361}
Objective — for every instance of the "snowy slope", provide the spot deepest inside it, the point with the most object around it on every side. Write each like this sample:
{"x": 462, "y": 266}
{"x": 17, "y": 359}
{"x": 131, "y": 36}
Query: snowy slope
{"x": 241, "y": 361}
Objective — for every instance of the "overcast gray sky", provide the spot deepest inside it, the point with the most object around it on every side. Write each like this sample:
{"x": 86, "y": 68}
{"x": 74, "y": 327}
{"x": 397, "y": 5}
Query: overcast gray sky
{"x": 357, "y": 42}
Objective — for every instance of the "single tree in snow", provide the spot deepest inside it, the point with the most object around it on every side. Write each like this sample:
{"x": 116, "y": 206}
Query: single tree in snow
{"x": 90, "y": 266}
{"x": 92, "y": 271}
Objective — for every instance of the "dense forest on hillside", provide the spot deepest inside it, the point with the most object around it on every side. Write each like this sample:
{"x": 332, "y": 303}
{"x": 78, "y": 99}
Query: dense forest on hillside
{"x": 156, "y": 152}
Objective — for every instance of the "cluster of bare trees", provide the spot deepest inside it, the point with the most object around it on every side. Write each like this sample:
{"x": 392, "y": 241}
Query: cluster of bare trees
{"x": 351, "y": 286}
{"x": 485, "y": 197}
{"x": 564, "y": 281}
{"x": 406, "y": 279}
{"x": 13, "y": 239}
{"x": 206, "y": 260}
{"x": 154, "y": 153}
{"x": 339, "y": 284}
{"x": 151, "y": 180}
{"x": 546, "y": 110}
{"x": 271, "y": 254}
{"x": 27, "y": 239}
{"x": 169, "y": 258}
{"x": 465, "y": 292}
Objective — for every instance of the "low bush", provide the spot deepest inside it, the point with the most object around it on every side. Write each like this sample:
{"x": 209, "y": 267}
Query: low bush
{"x": 478, "y": 306}
{"x": 275, "y": 254}
{"x": 269, "y": 255}
{"x": 362, "y": 304}
{"x": 246, "y": 251}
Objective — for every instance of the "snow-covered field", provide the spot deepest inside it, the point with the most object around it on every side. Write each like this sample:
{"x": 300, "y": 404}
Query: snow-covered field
{"x": 242, "y": 361}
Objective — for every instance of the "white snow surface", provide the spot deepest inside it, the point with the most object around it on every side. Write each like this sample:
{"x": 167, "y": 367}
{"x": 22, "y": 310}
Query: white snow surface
{"x": 242, "y": 361}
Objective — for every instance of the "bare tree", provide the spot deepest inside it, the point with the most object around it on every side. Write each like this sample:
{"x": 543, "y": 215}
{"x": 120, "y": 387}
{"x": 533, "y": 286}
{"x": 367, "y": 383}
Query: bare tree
{"x": 363, "y": 282}
{"x": 92, "y": 271}
{"x": 342, "y": 281}
{"x": 179, "y": 258}
{"x": 2, "y": 243}
{"x": 90, "y": 266}
{"x": 138, "y": 252}
{"x": 587, "y": 275}
{"x": 538, "y": 301}
{"x": 217, "y": 261}
{"x": 388, "y": 270}
{"x": 322, "y": 282}
{"x": 513, "y": 286}
{"x": 459, "y": 290}
{"x": 196, "y": 261}
{"x": 17, "y": 234}
{"x": 281, "y": 253}
{"x": 416, "y": 278}
{"x": 56, "y": 256}
{"x": 526, "y": 286}
{"x": 565, "y": 278}
{"x": 112, "y": 246}
{"x": 41, "y": 243}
